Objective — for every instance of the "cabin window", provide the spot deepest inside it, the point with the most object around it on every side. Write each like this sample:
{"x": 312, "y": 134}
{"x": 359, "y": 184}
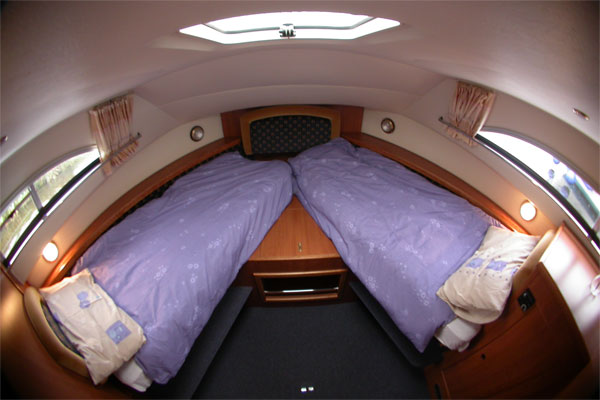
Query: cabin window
{"x": 26, "y": 210}
{"x": 559, "y": 181}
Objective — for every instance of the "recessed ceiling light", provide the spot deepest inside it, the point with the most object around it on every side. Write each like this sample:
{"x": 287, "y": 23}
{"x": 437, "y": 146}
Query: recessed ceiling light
{"x": 286, "y": 25}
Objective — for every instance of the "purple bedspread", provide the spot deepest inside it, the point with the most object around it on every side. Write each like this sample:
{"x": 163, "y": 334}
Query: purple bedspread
{"x": 400, "y": 234}
{"x": 170, "y": 262}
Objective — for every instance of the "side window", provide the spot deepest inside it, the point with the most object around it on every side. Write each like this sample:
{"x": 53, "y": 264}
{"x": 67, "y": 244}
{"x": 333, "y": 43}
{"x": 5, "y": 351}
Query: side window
{"x": 565, "y": 186}
{"x": 25, "y": 211}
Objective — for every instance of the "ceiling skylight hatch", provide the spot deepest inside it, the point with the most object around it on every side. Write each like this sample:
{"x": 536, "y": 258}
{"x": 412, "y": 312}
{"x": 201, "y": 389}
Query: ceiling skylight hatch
{"x": 287, "y": 25}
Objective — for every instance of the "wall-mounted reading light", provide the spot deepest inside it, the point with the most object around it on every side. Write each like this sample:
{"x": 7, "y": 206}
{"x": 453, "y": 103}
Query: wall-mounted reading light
{"x": 581, "y": 114}
{"x": 387, "y": 125}
{"x": 528, "y": 210}
{"x": 50, "y": 252}
{"x": 197, "y": 133}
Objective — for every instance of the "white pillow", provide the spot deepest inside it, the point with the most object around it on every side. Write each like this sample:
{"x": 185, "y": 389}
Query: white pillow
{"x": 133, "y": 376}
{"x": 457, "y": 334}
{"x": 104, "y": 334}
{"x": 478, "y": 290}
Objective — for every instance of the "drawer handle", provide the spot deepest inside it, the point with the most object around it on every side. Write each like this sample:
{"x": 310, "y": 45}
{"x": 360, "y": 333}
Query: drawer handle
{"x": 300, "y": 247}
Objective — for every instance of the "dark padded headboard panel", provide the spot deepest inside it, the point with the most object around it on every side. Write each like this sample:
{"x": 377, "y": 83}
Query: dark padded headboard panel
{"x": 288, "y": 129}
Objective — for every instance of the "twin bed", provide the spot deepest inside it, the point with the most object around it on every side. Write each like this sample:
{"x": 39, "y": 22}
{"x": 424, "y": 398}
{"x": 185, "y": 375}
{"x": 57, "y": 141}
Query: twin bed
{"x": 169, "y": 263}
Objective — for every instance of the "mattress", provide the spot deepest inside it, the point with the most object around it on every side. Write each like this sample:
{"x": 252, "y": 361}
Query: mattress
{"x": 401, "y": 235}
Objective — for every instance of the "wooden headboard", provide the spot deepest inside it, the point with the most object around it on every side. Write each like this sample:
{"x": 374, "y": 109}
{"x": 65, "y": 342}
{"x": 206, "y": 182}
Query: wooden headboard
{"x": 288, "y": 129}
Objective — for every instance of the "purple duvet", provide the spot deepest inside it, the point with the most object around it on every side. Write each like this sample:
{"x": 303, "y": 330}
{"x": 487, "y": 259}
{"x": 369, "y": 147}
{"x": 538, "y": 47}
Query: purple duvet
{"x": 170, "y": 262}
{"x": 400, "y": 234}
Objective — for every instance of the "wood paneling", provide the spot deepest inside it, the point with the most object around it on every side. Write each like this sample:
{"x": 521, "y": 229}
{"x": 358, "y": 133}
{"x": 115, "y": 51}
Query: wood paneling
{"x": 351, "y": 120}
{"x": 230, "y": 121}
{"x": 295, "y": 235}
{"x": 524, "y": 354}
{"x": 278, "y": 111}
{"x": 294, "y": 245}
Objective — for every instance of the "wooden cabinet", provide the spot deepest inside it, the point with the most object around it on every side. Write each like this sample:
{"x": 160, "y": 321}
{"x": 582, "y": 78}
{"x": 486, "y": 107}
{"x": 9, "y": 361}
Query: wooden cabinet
{"x": 295, "y": 262}
{"x": 523, "y": 354}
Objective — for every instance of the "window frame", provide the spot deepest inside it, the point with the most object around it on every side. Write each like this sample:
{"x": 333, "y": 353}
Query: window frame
{"x": 272, "y": 31}
{"x": 43, "y": 212}
{"x": 550, "y": 190}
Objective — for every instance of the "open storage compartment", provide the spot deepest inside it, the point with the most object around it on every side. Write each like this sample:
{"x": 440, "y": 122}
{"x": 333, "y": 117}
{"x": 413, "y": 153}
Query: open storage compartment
{"x": 300, "y": 286}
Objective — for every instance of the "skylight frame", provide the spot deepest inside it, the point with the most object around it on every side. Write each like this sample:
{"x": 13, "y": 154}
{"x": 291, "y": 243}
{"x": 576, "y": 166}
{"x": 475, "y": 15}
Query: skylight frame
{"x": 225, "y": 31}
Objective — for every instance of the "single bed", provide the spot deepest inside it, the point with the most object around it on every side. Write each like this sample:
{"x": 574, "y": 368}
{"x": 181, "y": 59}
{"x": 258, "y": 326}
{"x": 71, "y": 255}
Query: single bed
{"x": 168, "y": 264}
{"x": 401, "y": 235}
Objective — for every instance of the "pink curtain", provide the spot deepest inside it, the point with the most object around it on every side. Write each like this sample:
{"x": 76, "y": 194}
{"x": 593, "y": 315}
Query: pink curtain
{"x": 469, "y": 110}
{"x": 111, "y": 128}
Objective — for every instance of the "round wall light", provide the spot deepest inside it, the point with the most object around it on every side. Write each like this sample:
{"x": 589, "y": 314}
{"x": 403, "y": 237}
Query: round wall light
{"x": 528, "y": 210}
{"x": 197, "y": 133}
{"x": 50, "y": 252}
{"x": 387, "y": 125}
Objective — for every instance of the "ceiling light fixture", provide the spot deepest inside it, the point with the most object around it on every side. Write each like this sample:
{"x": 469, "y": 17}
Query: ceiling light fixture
{"x": 197, "y": 133}
{"x": 297, "y": 25}
{"x": 387, "y": 125}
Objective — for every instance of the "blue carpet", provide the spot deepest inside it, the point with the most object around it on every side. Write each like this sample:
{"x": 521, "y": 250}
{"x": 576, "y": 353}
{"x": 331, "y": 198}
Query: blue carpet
{"x": 338, "y": 350}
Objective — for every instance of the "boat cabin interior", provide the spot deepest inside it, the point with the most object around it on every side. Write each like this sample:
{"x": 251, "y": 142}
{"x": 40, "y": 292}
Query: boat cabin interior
{"x": 234, "y": 199}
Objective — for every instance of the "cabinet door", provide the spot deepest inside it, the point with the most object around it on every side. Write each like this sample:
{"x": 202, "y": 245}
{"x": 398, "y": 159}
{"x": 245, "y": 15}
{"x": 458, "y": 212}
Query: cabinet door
{"x": 537, "y": 357}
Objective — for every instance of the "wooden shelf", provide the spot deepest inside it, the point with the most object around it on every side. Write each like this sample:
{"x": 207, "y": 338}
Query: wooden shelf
{"x": 300, "y": 286}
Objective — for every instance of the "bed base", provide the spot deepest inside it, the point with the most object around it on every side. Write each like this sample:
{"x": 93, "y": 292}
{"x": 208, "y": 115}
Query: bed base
{"x": 431, "y": 355}
{"x": 206, "y": 346}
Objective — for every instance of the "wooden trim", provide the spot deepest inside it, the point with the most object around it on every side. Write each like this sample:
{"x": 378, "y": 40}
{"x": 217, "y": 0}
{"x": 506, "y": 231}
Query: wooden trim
{"x": 435, "y": 173}
{"x": 59, "y": 352}
{"x": 230, "y": 121}
{"x": 300, "y": 274}
{"x": 262, "y": 113}
{"x": 130, "y": 199}
{"x": 352, "y": 118}
{"x": 302, "y": 297}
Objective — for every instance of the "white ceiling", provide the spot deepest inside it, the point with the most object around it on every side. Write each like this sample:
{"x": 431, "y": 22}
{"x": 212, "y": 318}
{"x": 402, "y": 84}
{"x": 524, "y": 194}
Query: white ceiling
{"x": 59, "y": 58}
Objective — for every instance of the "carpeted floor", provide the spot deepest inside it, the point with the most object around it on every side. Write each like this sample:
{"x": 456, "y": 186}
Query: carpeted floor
{"x": 337, "y": 350}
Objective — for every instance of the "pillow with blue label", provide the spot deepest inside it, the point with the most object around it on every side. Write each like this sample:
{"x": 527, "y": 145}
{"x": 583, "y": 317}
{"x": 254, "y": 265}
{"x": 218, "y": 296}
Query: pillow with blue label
{"x": 478, "y": 290}
{"x": 102, "y": 332}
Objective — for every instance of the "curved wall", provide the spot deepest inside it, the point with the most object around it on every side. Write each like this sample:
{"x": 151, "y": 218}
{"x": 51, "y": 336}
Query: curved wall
{"x": 477, "y": 166}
